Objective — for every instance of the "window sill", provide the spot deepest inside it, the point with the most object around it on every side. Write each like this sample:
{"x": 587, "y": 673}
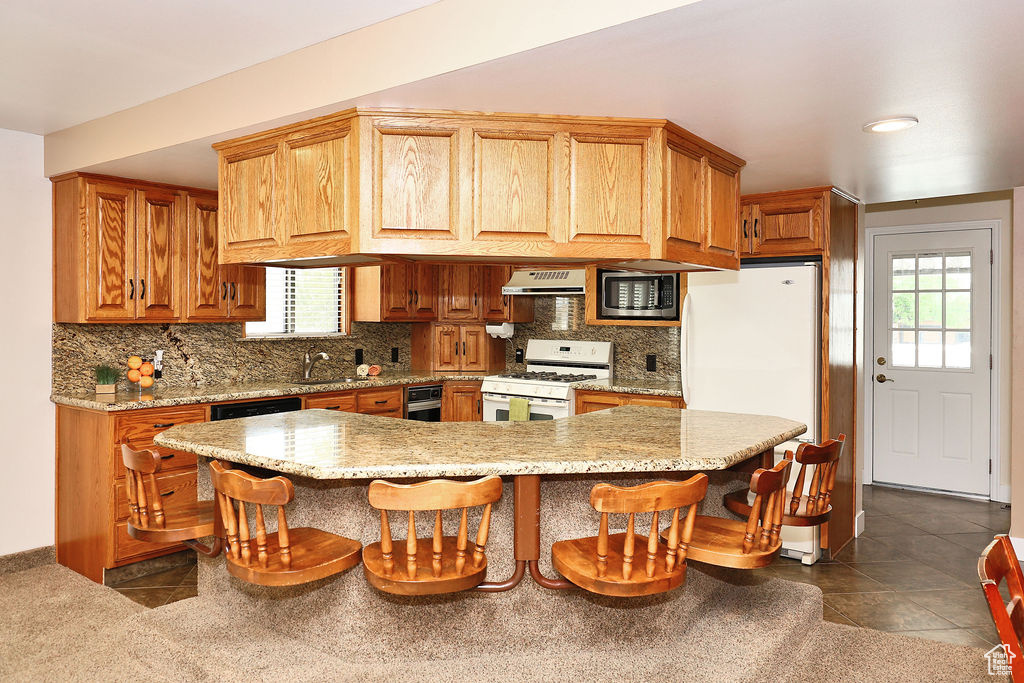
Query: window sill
{"x": 288, "y": 337}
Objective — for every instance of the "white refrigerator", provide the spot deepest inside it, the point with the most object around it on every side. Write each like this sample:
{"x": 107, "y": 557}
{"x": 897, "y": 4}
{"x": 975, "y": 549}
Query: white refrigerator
{"x": 751, "y": 343}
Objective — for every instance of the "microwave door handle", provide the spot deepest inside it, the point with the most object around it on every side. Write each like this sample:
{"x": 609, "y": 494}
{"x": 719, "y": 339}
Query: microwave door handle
{"x": 684, "y": 355}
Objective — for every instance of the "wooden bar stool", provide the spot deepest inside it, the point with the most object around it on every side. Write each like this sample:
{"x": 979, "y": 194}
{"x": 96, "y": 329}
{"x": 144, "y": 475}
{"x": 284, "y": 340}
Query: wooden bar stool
{"x": 286, "y": 557}
{"x": 147, "y": 520}
{"x": 998, "y": 562}
{"x": 745, "y": 545}
{"x": 403, "y": 569}
{"x": 604, "y": 563}
{"x": 814, "y": 507}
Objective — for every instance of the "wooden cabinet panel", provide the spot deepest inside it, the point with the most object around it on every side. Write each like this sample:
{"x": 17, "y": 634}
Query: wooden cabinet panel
{"x": 473, "y": 348}
{"x": 110, "y": 255}
{"x": 247, "y": 292}
{"x": 746, "y": 230}
{"x": 126, "y": 547}
{"x": 495, "y": 306}
{"x": 416, "y": 182}
{"x": 317, "y": 182}
{"x": 607, "y": 191}
{"x": 139, "y": 428}
{"x": 513, "y": 185}
{"x": 460, "y": 293}
{"x": 461, "y": 402}
{"x": 589, "y": 401}
{"x": 723, "y": 211}
{"x": 790, "y": 224}
{"x": 379, "y": 400}
{"x": 177, "y": 490}
{"x": 653, "y": 401}
{"x": 424, "y": 291}
{"x": 686, "y": 215}
{"x": 159, "y": 257}
{"x": 446, "y": 348}
{"x": 396, "y": 292}
{"x": 249, "y": 216}
{"x": 345, "y": 402}
{"x": 206, "y": 291}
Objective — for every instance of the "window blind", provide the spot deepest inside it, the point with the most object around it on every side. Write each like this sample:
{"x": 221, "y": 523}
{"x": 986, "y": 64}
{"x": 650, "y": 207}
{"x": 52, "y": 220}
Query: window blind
{"x": 302, "y": 302}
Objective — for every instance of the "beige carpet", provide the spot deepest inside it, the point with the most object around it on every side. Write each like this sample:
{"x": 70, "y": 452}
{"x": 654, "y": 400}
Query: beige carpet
{"x": 60, "y": 626}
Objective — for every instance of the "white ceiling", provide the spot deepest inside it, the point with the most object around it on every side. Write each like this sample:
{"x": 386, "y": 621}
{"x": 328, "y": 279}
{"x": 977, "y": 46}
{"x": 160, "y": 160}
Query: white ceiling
{"x": 785, "y": 85}
{"x": 68, "y": 61}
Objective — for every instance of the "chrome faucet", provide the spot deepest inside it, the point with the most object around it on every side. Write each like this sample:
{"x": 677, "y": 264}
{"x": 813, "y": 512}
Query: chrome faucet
{"x": 309, "y": 360}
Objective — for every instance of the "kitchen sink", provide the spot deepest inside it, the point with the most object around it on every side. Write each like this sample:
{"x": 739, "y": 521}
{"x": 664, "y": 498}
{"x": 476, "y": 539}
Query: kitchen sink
{"x": 334, "y": 380}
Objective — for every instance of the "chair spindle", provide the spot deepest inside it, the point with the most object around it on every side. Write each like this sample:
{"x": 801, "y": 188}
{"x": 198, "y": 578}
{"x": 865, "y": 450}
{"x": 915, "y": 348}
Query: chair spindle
{"x": 387, "y": 551}
{"x": 462, "y": 542}
{"x": 438, "y": 545}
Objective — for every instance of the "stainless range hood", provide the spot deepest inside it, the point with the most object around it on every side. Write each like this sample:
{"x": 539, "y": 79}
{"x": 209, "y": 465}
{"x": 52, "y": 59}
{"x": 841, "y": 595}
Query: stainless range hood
{"x": 540, "y": 282}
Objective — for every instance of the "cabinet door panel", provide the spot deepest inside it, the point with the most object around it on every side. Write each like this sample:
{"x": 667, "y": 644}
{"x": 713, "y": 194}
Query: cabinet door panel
{"x": 462, "y": 402}
{"x": 588, "y": 403}
{"x": 723, "y": 211}
{"x": 460, "y": 293}
{"x": 496, "y": 307}
{"x": 687, "y": 224}
{"x": 416, "y": 183}
{"x": 344, "y": 402}
{"x": 514, "y": 186}
{"x": 446, "y": 348}
{"x": 788, "y": 225}
{"x": 746, "y": 230}
{"x": 474, "y": 348}
{"x": 424, "y": 291}
{"x": 207, "y": 291}
{"x": 248, "y": 198}
{"x": 607, "y": 190}
{"x": 397, "y": 294}
{"x": 247, "y": 292}
{"x": 110, "y": 270}
{"x": 317, "y": 188}
{"x": 158, "y": 253}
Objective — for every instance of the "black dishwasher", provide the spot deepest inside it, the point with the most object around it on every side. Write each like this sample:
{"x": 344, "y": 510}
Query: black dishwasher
{"x": 228, "y": 411}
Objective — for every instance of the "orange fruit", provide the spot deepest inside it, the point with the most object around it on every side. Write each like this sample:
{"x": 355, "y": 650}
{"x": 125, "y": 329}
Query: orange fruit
{"x": 146, "y": 369}
{"x": 145, "y": 381}
{"x": 134, "y": 375}
{"x": 134, "y": 362}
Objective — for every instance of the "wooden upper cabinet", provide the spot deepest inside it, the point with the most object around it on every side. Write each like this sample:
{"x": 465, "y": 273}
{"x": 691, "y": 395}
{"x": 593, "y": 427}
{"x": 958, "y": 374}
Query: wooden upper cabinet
{"x": 424, "y": 291}
{"x": 416, "y": 182}
{"x": 317, "y": 179}
{"x": 514, "y": 186}
{"x": 249, "y": 203}
{"x": 160, "y": 261}
{"x": 460, "y": 293}
{"x": 723, "y": 211}
{"x": 608, "y": 190}
{"x": 396, "y": 292}
{"x": 786, "y": 223}
{"x": 247, "y": 292}
{"x": 109, "y": 284}
{"x": 206, "y": 290}
{"x": 503, "y": 308}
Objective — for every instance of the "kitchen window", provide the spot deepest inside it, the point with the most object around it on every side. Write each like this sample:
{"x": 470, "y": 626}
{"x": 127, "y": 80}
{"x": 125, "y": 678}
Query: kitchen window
{"x": 307, "y": 302}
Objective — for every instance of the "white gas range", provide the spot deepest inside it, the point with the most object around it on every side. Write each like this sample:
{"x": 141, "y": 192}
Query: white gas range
{"x": 552, "y": 367}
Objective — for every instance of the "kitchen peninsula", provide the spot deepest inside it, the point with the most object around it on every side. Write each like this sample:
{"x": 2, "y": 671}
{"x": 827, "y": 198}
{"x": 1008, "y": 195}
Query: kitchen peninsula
{"x": 329, "y": 456}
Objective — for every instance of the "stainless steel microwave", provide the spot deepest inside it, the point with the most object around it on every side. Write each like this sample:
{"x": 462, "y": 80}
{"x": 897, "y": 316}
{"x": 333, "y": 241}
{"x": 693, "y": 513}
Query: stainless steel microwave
{"x": 627, "y": 295}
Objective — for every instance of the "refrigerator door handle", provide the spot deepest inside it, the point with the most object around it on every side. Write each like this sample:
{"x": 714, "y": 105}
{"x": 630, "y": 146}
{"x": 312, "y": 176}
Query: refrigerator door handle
{"x": 684, "y": 351}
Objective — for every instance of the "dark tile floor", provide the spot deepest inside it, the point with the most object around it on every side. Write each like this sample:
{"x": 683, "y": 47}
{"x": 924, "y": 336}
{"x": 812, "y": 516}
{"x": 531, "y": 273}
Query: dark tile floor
{"x": 914, "y": 569}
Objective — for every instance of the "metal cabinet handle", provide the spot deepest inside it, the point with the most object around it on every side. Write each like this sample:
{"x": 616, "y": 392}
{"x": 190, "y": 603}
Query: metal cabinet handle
{"x": 744, "y": 228}
{"x": 456, "y": 348}
{"x": 755, "y": 228}
{"x": 142, "y": 290}
{"x": 416, "y": 297}
{"x": 881, "y": 379}
{"x": 475, "y": 295}
{"x": 463, "y": 348}
{"x": 131, "y": 292}
{"x": 410, "y": 296}
{"x": 232, "y": 289}
{"x": 223, "y": 291}
{"x": 332, "y": 407}
{"x": 168, "y": 456}
{"x": 163, "y": 425}
{"x": 478, "y": 406}
{"x": 381, "y": 402}
{"x": 168, "y": 493}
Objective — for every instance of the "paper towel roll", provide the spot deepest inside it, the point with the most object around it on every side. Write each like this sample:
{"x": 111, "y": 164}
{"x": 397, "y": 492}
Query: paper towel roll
{"x": 502, "y": 331}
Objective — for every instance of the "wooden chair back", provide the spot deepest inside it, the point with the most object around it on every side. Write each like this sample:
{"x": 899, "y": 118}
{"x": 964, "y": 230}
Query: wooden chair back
{"x": 998, "y": 563}
{"x": 764, "y": 524}
{"x": 145, "y": 505}
{"x": 234, "y": 487}
{"x": 436, "y": 495}
{"x": 654, "y": 497}
{"x": 819, "y": 462}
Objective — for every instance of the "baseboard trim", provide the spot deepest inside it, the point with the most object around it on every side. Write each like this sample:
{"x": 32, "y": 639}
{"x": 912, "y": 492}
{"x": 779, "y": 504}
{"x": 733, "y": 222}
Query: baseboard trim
{"x": 858, "y": 524}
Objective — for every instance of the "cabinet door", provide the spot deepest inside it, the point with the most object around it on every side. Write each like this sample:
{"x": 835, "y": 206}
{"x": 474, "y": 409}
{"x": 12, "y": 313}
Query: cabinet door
{"x": 206, "y": 291}
{"x": 474, "y": 348}
{"x": 446, "y": 348}
{"x": 788, "y": 225}
{"x": 424, "y": 291}
{"x": 588, "y": 403}
{"x": 396, "y": 292}
{"x": 460, "y": 293}
{"x": 111, "y": 288}
{"x": 607, "y": 194}
{"x": 514, "y": 187}
{"x": 247, "y": 292}
{"x": 462, "y": 402}
{"x": 317, "y": 202}
{"x": 159, "y": 258}
{"x": 496, "y": 306}
{"x": 746, "y": 230}
{"x": 415, "y": 183}
{"x": 248, "y": 199}
{"x": 723, "y": 211}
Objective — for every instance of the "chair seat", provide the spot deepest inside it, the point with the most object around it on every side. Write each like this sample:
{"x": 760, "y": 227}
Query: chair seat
{"x": 719, "y": 541}
{"x": 315, "y": 554}
{"x": 739, "y": 502}
{"x": 424, "y": 582}
{"x": 576, "y": 560}
{"x": 180, "y": 524}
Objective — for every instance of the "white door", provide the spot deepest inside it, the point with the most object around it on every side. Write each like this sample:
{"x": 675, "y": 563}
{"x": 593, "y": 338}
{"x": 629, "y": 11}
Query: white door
{"x": 931, "y": 359}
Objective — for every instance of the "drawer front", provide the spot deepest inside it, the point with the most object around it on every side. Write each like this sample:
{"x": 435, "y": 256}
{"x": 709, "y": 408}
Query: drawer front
{"x": 126, "y": 547}
{"x": 394, "y": 412}
{"x": 345, "y": 402}
{"x": 139, "y": 429}
{"x": 656, "y": 401}
{"x": 177, "y": 491}
{"x": 172, "y": 460}
{"x": 379, "y": 400}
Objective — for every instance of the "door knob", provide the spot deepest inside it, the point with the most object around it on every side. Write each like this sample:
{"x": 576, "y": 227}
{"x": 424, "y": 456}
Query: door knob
{"x": 881, "y": 379}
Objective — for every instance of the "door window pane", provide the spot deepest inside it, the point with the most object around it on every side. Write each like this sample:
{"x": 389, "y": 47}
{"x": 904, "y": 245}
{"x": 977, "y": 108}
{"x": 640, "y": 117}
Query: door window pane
{"x": 958, "y": 271}
{"x": 958, "y": 349}
{"x": 929, "y": 271}
{"x": 958, "y": 310}
{"x": 929, "y": 307}
{"x": 904, "y": 270}
{"x": 929, "y": 353}
{"x": 904, "y": 348}
{"x": 903, "y": 310}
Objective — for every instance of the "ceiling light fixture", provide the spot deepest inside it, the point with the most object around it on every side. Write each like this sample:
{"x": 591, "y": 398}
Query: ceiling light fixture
{"x": 891, "y": 125}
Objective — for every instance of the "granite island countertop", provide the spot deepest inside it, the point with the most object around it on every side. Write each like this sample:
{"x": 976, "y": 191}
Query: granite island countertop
{"x": 324, "y": 444}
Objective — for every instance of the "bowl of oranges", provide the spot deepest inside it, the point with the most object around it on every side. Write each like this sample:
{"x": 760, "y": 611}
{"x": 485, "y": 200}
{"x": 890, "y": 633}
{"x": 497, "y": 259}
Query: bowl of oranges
{"x": 140, "y": 372}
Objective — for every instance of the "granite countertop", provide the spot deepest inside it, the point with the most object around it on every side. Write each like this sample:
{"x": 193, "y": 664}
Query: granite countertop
{"x": 180, "y": 396}
{"x": 324, "y": 444}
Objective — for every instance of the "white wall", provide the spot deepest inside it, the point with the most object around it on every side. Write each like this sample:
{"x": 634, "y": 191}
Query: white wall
{"x": 974, "y": 207}
{"x": 26, "y": 414}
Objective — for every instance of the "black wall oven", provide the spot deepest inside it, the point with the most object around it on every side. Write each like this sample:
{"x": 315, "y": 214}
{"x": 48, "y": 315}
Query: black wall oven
{"x": 423, "y": 403}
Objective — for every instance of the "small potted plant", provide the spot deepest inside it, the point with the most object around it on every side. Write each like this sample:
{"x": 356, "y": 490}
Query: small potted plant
{"x": 106, "y": 379}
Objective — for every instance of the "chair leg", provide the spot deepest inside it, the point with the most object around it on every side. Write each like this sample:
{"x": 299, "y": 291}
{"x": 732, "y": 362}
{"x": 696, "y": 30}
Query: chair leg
{"x": 823, "y": 536}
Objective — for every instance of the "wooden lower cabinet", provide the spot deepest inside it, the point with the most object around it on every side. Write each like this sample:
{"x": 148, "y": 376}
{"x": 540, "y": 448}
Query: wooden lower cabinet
{"x": 589, "y": 401}
{"x": 386, "y": 401}
{"x": 462, "y": 402}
